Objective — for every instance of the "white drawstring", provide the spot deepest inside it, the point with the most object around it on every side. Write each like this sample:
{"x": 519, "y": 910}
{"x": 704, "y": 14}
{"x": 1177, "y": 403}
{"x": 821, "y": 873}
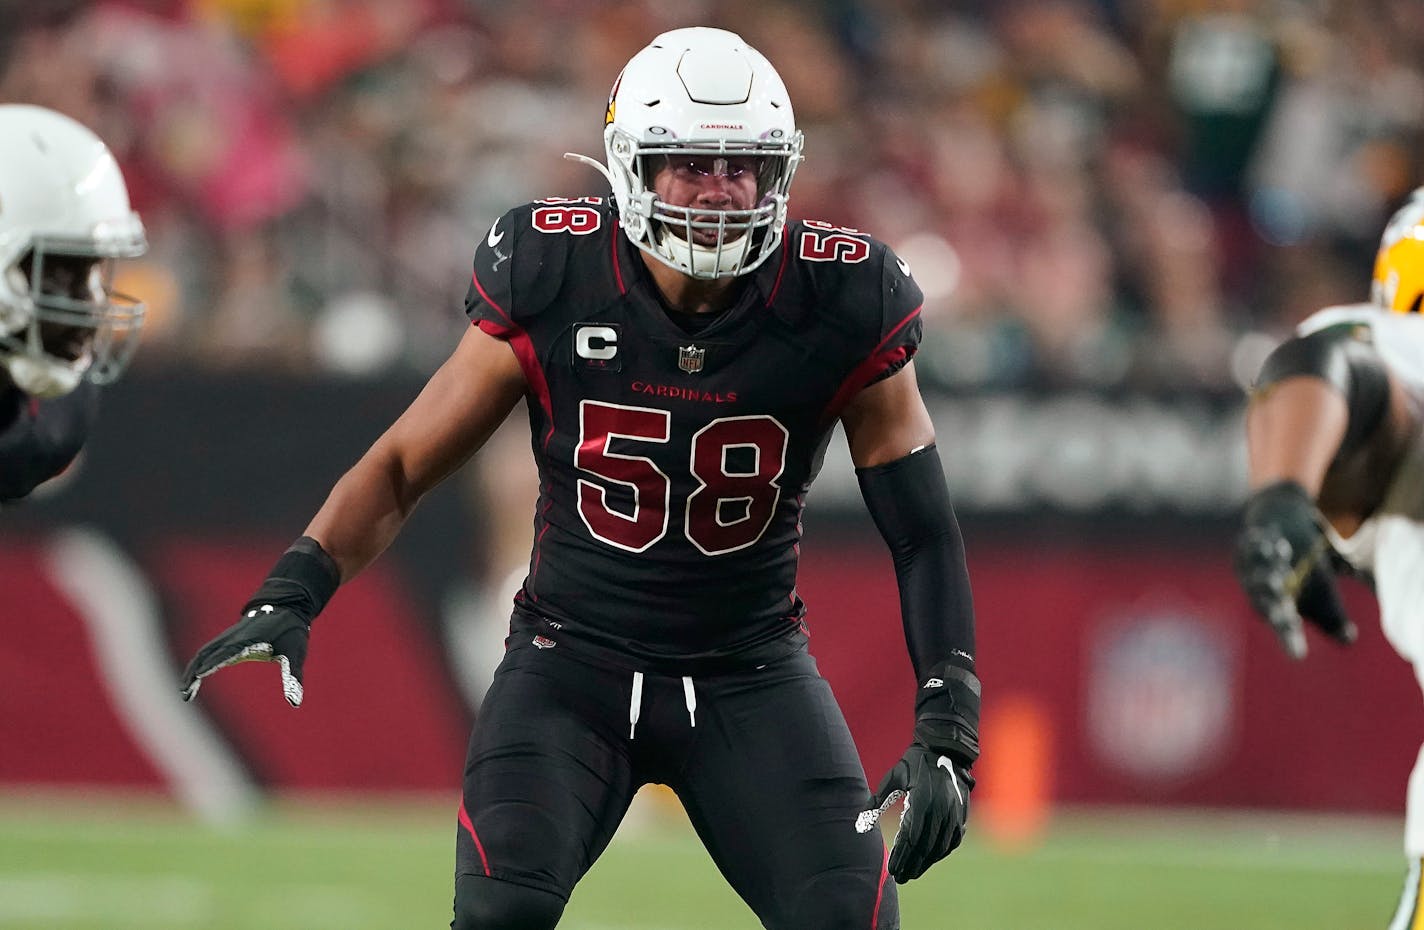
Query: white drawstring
{"x": 635, "y": 703}
{"x": 691, "y": 697}
{"x": 635, "y": 706}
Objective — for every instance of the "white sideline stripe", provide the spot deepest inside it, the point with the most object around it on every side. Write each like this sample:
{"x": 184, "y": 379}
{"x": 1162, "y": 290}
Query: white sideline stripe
{"x": 109, "y": 592}
{"x": 61, "y": 898}
{"x": 141, "y": 901}
{"x": 1323, "y": 862}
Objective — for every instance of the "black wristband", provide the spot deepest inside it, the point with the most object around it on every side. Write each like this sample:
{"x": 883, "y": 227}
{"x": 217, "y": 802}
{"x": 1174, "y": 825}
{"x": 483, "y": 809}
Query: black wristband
{"x": 303, "y": 580}
{"x": 1284, "y": 497}
{"x": 947, "y": 712}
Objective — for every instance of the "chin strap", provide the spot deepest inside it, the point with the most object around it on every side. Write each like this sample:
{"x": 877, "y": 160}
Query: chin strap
{"x": 43, "y": 377}
{"x": 595, "y": 165}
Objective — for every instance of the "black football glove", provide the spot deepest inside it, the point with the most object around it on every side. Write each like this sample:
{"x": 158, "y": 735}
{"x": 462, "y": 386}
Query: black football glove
{"x": 1282, "y": 562}
{"x": 936, "y": 792}
{"x": 276, "y": 622}
{"x": 932, "y": 776}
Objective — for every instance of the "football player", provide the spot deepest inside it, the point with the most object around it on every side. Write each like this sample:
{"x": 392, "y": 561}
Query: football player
{"x": 64, "y": 220}
{"x": 685, "y": 352}
{"x": 1335, "y": 440}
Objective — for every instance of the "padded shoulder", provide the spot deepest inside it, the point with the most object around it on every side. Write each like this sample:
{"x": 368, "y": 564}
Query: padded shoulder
{"x": 857, "y": 282}
{"x": 1341, "y": 353}
{"x": 1327, "y": 352}
{"x": 522, "y": 262}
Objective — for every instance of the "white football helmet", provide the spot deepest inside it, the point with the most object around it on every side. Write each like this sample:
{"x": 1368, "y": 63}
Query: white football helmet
{"x": 699, "y": 92}
{"x": 63, "y": 203}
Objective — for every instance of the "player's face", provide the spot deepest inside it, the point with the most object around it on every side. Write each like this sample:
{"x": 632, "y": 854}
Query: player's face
{"x": 716, "y": 182}
{"x": 75, "y": 277}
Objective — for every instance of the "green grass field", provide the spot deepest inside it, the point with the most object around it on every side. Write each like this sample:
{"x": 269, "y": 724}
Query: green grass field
{"x": 90, "y": 864}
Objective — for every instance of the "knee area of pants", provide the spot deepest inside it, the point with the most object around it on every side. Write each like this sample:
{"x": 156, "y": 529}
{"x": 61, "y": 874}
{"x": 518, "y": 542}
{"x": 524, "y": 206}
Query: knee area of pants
{"x": 490, "y": 904}
{"x": 524, "y": 832}
{"x": 832, "y": 903}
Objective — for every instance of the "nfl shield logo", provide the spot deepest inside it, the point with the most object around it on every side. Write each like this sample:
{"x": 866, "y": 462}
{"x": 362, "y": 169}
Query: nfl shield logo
{"x": 689, "y": 358}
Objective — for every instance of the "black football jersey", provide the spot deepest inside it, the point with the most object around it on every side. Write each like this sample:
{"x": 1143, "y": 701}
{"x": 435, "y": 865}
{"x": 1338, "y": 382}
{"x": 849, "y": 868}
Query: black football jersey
{"x": 674, "y": 465}
{"x": 39, "y": 438}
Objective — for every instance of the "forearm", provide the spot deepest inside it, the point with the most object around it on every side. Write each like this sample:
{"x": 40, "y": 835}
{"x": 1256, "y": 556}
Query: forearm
{"x": 456, "y": 412}
{"x": 1317, "y": 398}
{"x": 363, "y": 513}
{"x": 1293, "y": 431}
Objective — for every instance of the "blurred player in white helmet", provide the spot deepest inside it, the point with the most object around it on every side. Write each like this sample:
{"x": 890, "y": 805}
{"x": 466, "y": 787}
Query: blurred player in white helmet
{"x": 1335, "y": 439}
{"x": 64, "y": 221}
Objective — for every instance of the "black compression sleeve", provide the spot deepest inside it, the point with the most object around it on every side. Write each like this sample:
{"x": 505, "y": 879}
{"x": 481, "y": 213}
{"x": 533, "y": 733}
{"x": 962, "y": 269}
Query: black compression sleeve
{"x": 909, "y": 502}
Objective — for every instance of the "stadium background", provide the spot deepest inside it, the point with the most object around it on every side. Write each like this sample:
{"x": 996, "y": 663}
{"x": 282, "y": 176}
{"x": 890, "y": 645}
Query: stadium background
{"x": 1115, "y": 207}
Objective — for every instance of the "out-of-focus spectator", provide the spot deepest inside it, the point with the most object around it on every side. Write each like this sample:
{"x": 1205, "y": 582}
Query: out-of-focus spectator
{"x": 1091, "y": 192}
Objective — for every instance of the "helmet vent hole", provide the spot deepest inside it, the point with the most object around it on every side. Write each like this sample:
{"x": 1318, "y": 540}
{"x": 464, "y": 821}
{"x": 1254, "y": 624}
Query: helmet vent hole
{"x": 1414, "y": 307}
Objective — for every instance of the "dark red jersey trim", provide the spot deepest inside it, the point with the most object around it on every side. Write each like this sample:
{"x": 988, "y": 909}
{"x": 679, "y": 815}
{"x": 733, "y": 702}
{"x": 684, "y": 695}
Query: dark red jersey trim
{"x": 539, "y": 542}
{"x": 475, "y": 280}
{"x": 524, "y": 350}
{"x": 480, "y": 847}
{"x": 528, "y": 358}
{"x": 878, "y": 361}
{"x": 617, "y": 266}
{"x": 796, "y": 543}
{"x": 776, "y": 286}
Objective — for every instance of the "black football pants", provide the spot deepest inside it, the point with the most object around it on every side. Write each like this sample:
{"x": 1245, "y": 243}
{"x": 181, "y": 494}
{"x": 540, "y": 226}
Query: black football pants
{"x": 761, "y": 759}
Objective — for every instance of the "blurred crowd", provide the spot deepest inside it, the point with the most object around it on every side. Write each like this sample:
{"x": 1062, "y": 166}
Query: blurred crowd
{"x": 1129, "y": 193}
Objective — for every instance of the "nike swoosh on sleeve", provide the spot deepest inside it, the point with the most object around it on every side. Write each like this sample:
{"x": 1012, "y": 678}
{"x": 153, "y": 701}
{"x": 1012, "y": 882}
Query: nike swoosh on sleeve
{"x": 494, "y": 235}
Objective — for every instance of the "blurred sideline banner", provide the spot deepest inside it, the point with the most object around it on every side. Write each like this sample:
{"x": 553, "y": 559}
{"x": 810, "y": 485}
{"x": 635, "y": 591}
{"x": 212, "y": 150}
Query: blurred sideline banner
{"x": 1098, "y": 531}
